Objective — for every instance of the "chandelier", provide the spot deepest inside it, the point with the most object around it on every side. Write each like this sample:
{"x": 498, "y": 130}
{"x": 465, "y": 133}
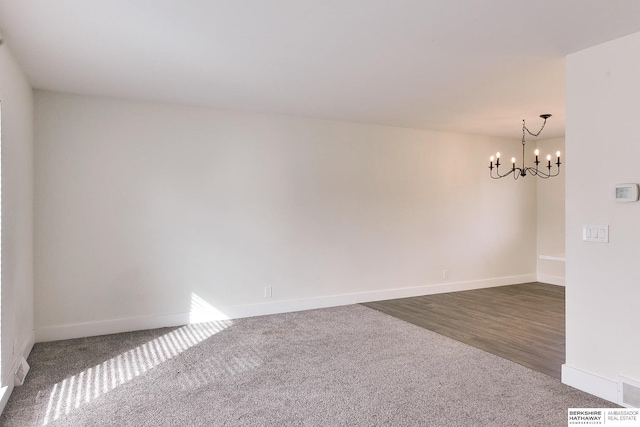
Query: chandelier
{"x": 522, "y": 171}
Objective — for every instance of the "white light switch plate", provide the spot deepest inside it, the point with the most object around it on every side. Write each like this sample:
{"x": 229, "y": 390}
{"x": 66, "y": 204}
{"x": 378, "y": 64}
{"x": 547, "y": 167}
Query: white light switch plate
{"x": 598, "y": 233}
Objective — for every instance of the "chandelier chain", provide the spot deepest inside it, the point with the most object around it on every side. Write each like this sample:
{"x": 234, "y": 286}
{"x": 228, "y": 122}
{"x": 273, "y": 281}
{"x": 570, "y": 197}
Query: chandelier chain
{"x": 525, "y": 128}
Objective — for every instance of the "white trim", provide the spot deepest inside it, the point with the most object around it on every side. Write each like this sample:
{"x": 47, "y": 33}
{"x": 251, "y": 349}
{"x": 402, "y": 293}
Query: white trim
{"x": 590, "y": 383}
{"x": 5, "y": 391}
{"x": 112, "y": 326}
{"x": 25, "y": 351}
{"x": 552, "y": 280}
{"x": 443, "y": 288}
{"x": 553, "y": 258}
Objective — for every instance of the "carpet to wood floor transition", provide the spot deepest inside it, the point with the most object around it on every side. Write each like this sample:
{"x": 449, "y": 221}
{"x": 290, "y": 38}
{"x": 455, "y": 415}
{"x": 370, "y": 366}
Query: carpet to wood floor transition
{"x": 523, "y": 323}
{"x": 339, "y": 366}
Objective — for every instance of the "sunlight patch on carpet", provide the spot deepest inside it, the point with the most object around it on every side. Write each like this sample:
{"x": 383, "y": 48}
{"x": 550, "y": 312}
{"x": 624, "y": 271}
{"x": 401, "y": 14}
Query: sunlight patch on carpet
{"x": 88, "y": 385}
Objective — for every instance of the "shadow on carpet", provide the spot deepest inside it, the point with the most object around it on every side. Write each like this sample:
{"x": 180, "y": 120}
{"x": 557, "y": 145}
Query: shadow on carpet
{"x": 341, "y": 366}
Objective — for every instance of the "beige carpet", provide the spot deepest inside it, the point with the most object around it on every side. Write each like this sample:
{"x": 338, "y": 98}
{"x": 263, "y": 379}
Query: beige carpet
{"x": 344, "y": 366}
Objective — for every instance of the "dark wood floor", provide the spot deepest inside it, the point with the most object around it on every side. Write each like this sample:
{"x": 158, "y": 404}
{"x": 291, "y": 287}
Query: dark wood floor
{"x": 522, "y": 323}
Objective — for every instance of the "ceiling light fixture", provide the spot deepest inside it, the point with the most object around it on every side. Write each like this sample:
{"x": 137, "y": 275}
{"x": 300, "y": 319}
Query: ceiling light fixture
{"x": 518, "y": 172}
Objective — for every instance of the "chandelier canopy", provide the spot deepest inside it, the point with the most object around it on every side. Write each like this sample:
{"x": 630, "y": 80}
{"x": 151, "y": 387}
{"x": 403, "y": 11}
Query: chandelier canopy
{"x": 524, "y": 170}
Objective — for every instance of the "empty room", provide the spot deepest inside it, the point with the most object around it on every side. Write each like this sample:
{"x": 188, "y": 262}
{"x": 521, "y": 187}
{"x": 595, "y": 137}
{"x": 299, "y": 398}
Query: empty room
{"x": 318, "y": 213}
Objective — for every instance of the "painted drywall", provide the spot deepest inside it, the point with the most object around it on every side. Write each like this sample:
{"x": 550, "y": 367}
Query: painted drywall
{"x": 551, "y": 216}
{"x": 16, "y": 96}
{"x": 141, "y": 207}
{"x": 603, "y": 281}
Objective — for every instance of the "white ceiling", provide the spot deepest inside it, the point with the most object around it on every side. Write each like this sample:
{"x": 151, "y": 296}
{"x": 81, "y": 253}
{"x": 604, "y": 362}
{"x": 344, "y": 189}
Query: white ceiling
{"x": 474, "y": 66}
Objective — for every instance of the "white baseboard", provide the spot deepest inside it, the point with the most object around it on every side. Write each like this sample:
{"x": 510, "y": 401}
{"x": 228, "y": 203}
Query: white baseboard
{"x": 552, "y": 280}
{"x": 113, "y": 326}
{"x": 25, "y": 350}
{"x": 5, "y": 392}
{"x": 590, "y": 383}
{"x": 442, "y": 288}
{"x": 79, "y": 330}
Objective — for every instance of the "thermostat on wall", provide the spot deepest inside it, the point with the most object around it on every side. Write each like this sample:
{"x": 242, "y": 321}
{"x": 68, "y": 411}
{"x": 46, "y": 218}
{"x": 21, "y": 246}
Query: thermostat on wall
{"x": 626, "y": 192}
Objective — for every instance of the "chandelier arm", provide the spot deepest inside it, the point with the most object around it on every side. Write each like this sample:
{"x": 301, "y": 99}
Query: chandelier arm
{"x": 555, "y": 174}
{"x": 545, "y": 175}
{"x": 498, "y": 176}
{"x": 515, "y": 171}
{"x": 541, "y": 174}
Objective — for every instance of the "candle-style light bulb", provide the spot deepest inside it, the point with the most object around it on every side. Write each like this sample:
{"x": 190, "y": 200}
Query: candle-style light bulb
{"x": 498, "y": 155}
{"x": 491, "y": 158}
{"x": 549, "y": 157}
{"x": 537, "y": 152}
{"x": 549, "y": 162}
{"x": 513, "y": 160}
{"x": 557, "y": 153}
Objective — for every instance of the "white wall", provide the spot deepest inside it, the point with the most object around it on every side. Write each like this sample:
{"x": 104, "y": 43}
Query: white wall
{"x": 17, "y": 216}
{"x": 141, "y": 205}
{"x": 603, "y": 280}
{"x": 551, "y": 217}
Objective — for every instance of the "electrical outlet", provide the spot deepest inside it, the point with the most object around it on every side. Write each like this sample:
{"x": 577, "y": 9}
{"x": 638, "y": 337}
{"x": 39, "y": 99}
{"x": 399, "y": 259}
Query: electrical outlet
{"x": 268, "y": 292}
{"x": 445, "y": 274}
